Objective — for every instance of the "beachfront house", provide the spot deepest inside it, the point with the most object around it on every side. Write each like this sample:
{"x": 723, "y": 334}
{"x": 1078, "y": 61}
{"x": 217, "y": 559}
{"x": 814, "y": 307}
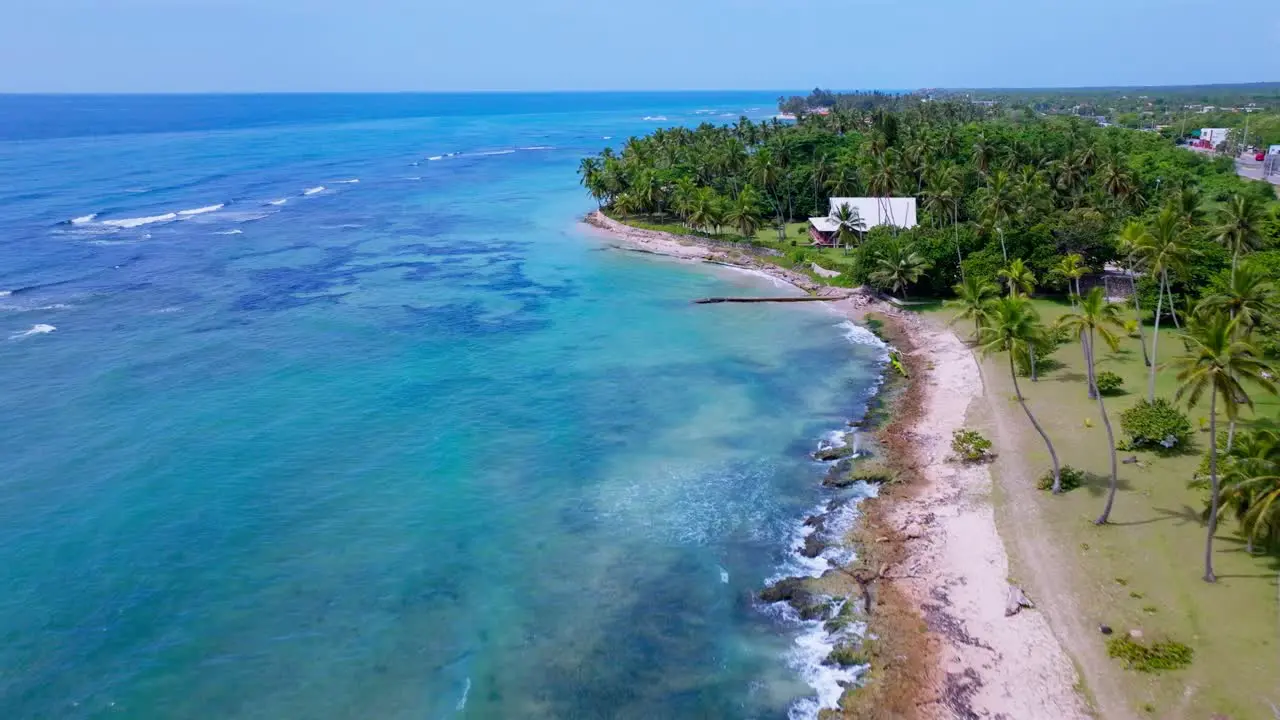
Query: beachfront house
{"x": 895, "y": 211}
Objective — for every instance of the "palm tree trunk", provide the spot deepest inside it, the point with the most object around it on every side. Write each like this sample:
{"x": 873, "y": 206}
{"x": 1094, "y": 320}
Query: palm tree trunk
{"x": 1031, "y": 356}
{"x": 1053, "y": 455}
{"x": 1173, "y": 310}
{"x": 1155, "y": 343}
{"x": 1088, "y": 365}
{"x": 1137, "y": 306}
{"x": 1111, "y": 440}
{"x": 955, "y": 224}
{"x": 1213, "y": 487}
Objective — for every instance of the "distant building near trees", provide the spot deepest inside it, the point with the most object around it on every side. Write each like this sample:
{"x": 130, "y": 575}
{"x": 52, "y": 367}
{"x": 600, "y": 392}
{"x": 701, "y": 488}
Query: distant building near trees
{"x": 1210, "y": 138}
{"x": 874, "y": 212}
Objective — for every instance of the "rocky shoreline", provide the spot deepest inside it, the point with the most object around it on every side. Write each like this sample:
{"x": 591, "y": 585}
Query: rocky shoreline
{"x": 913, "y": 620}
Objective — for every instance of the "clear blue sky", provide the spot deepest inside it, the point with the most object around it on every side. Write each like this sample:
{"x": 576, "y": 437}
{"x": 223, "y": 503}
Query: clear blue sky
{"x": 374, "y": 45}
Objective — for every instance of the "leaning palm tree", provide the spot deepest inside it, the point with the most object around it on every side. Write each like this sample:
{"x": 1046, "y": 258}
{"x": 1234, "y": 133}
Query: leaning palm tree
{"x": 1239, "y": 227}
{"x": 1096, "y": 318}
{"x": 1162, "y": 248}
{"x": 1071, "y": 268}
{"x": 898, "y": 267}
{"x": 849, "y": 224}
{"x": 1011, "y": 325}
{"x": 1216, "y": 362}
{"x": 974, "y": 299}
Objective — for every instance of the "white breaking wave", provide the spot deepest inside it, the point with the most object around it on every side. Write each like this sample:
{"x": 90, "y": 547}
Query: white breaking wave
{"x": 807, "y": 658}
{"x": 607, "y": 137}
{"x": 40, "y": 329}
{"x": 5, "y": 293}
{"x": 314, "y": 190}
{"x": 201, "y": 210}
{"x": 281, "y": 201}
{"x": 414, "y": 177}
{"x": 859, "y": 335}
{"x": 537, "y": 147}
{"x": 462, "y": 702}
{"x": 656, "y": 118}
{"x": 496, "y": 152}
{"x": 84, "y": 219}
{"x": 140, "y": 221}
{"x": 436, "y": 157}
{"x": 352, "y": 181}
{"x": 237, "y": 231}
{"x": 20, "y": 308}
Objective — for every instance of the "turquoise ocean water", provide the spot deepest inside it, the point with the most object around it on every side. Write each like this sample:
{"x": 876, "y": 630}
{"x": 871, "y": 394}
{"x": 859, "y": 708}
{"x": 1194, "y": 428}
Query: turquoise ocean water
{"x": 299, "y": 422}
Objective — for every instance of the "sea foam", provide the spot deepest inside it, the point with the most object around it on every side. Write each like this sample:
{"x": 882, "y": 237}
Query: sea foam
{"x": 39, "y": 329}
{"x": 140, "y": 221}
{"x": 84, "y": 219}
{"x": 313, "y": 190}
{"x": 201, "y": 210}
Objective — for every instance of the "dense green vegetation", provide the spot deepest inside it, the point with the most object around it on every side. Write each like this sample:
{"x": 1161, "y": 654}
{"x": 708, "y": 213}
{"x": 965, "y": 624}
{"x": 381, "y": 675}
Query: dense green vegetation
{"x": 1035, "y": 188}
{"x": 1007, "y": 205}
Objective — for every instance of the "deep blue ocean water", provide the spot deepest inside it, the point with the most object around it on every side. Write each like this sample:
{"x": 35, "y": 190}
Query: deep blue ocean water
{"x": 298, "y": 422}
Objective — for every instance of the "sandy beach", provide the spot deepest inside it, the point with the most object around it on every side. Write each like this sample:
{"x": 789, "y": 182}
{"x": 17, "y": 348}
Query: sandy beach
{"x": 935, "y": 534}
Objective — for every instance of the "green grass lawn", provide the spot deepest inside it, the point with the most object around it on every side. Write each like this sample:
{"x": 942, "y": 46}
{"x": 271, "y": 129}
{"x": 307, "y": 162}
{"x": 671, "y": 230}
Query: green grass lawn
{"x": 1144, "y": 570}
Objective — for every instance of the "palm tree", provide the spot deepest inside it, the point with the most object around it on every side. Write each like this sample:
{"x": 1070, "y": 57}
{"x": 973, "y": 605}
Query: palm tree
{"x": 1216, "y": 362}
{"x": 974, "y": 299}
{"x": 1013, "y": 324}
{"x": 589, "y": 170}
{"x": 983, "y": 152}
{"x": 1190, "y": 205}
{"x": 1250, "y": 485}
{"x": 898, "y": 267}
{"x": 1071, "y": 268}
{"x": 845, "y": 180}
{"x": 1018, "y": 278}
{"x": 1127, "y": 243}
{"x": 1240, "y": 227}
{"x": 849, "y": 224}
{"x": 702, "y": 210}
{"x": 943, "y": 198}
{"x": 682, "y": 196}
{"x": 1250, "y": 297}
{"x": 744, "y": 214}
{"x": 823, "y": 170}
{"x": 1162, "y": 249}
{"x": 882, "y": 184}
{"x": 996, "y": 200}
{"x": 765, "y": 174}
{"x": 1095, "y": 319}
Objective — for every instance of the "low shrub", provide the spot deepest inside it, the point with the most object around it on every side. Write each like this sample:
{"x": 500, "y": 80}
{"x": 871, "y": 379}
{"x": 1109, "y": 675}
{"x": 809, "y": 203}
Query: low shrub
{"x": 1163, "y": 655}
{"x": 970, "y": 446}
{"x": 847, "y": 654}
{"x": 1071, "y": 479}
{"x": 1108, "y": 382}
{"x": 873, "y": 473}
{"x": 1155, "y": 425}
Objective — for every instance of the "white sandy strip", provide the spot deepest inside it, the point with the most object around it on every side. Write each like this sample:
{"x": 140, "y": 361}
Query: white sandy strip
{"x": 958, "y": 568}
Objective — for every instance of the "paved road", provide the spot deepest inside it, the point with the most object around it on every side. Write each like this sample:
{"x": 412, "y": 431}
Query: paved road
{"x": 1246, "y": 166}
